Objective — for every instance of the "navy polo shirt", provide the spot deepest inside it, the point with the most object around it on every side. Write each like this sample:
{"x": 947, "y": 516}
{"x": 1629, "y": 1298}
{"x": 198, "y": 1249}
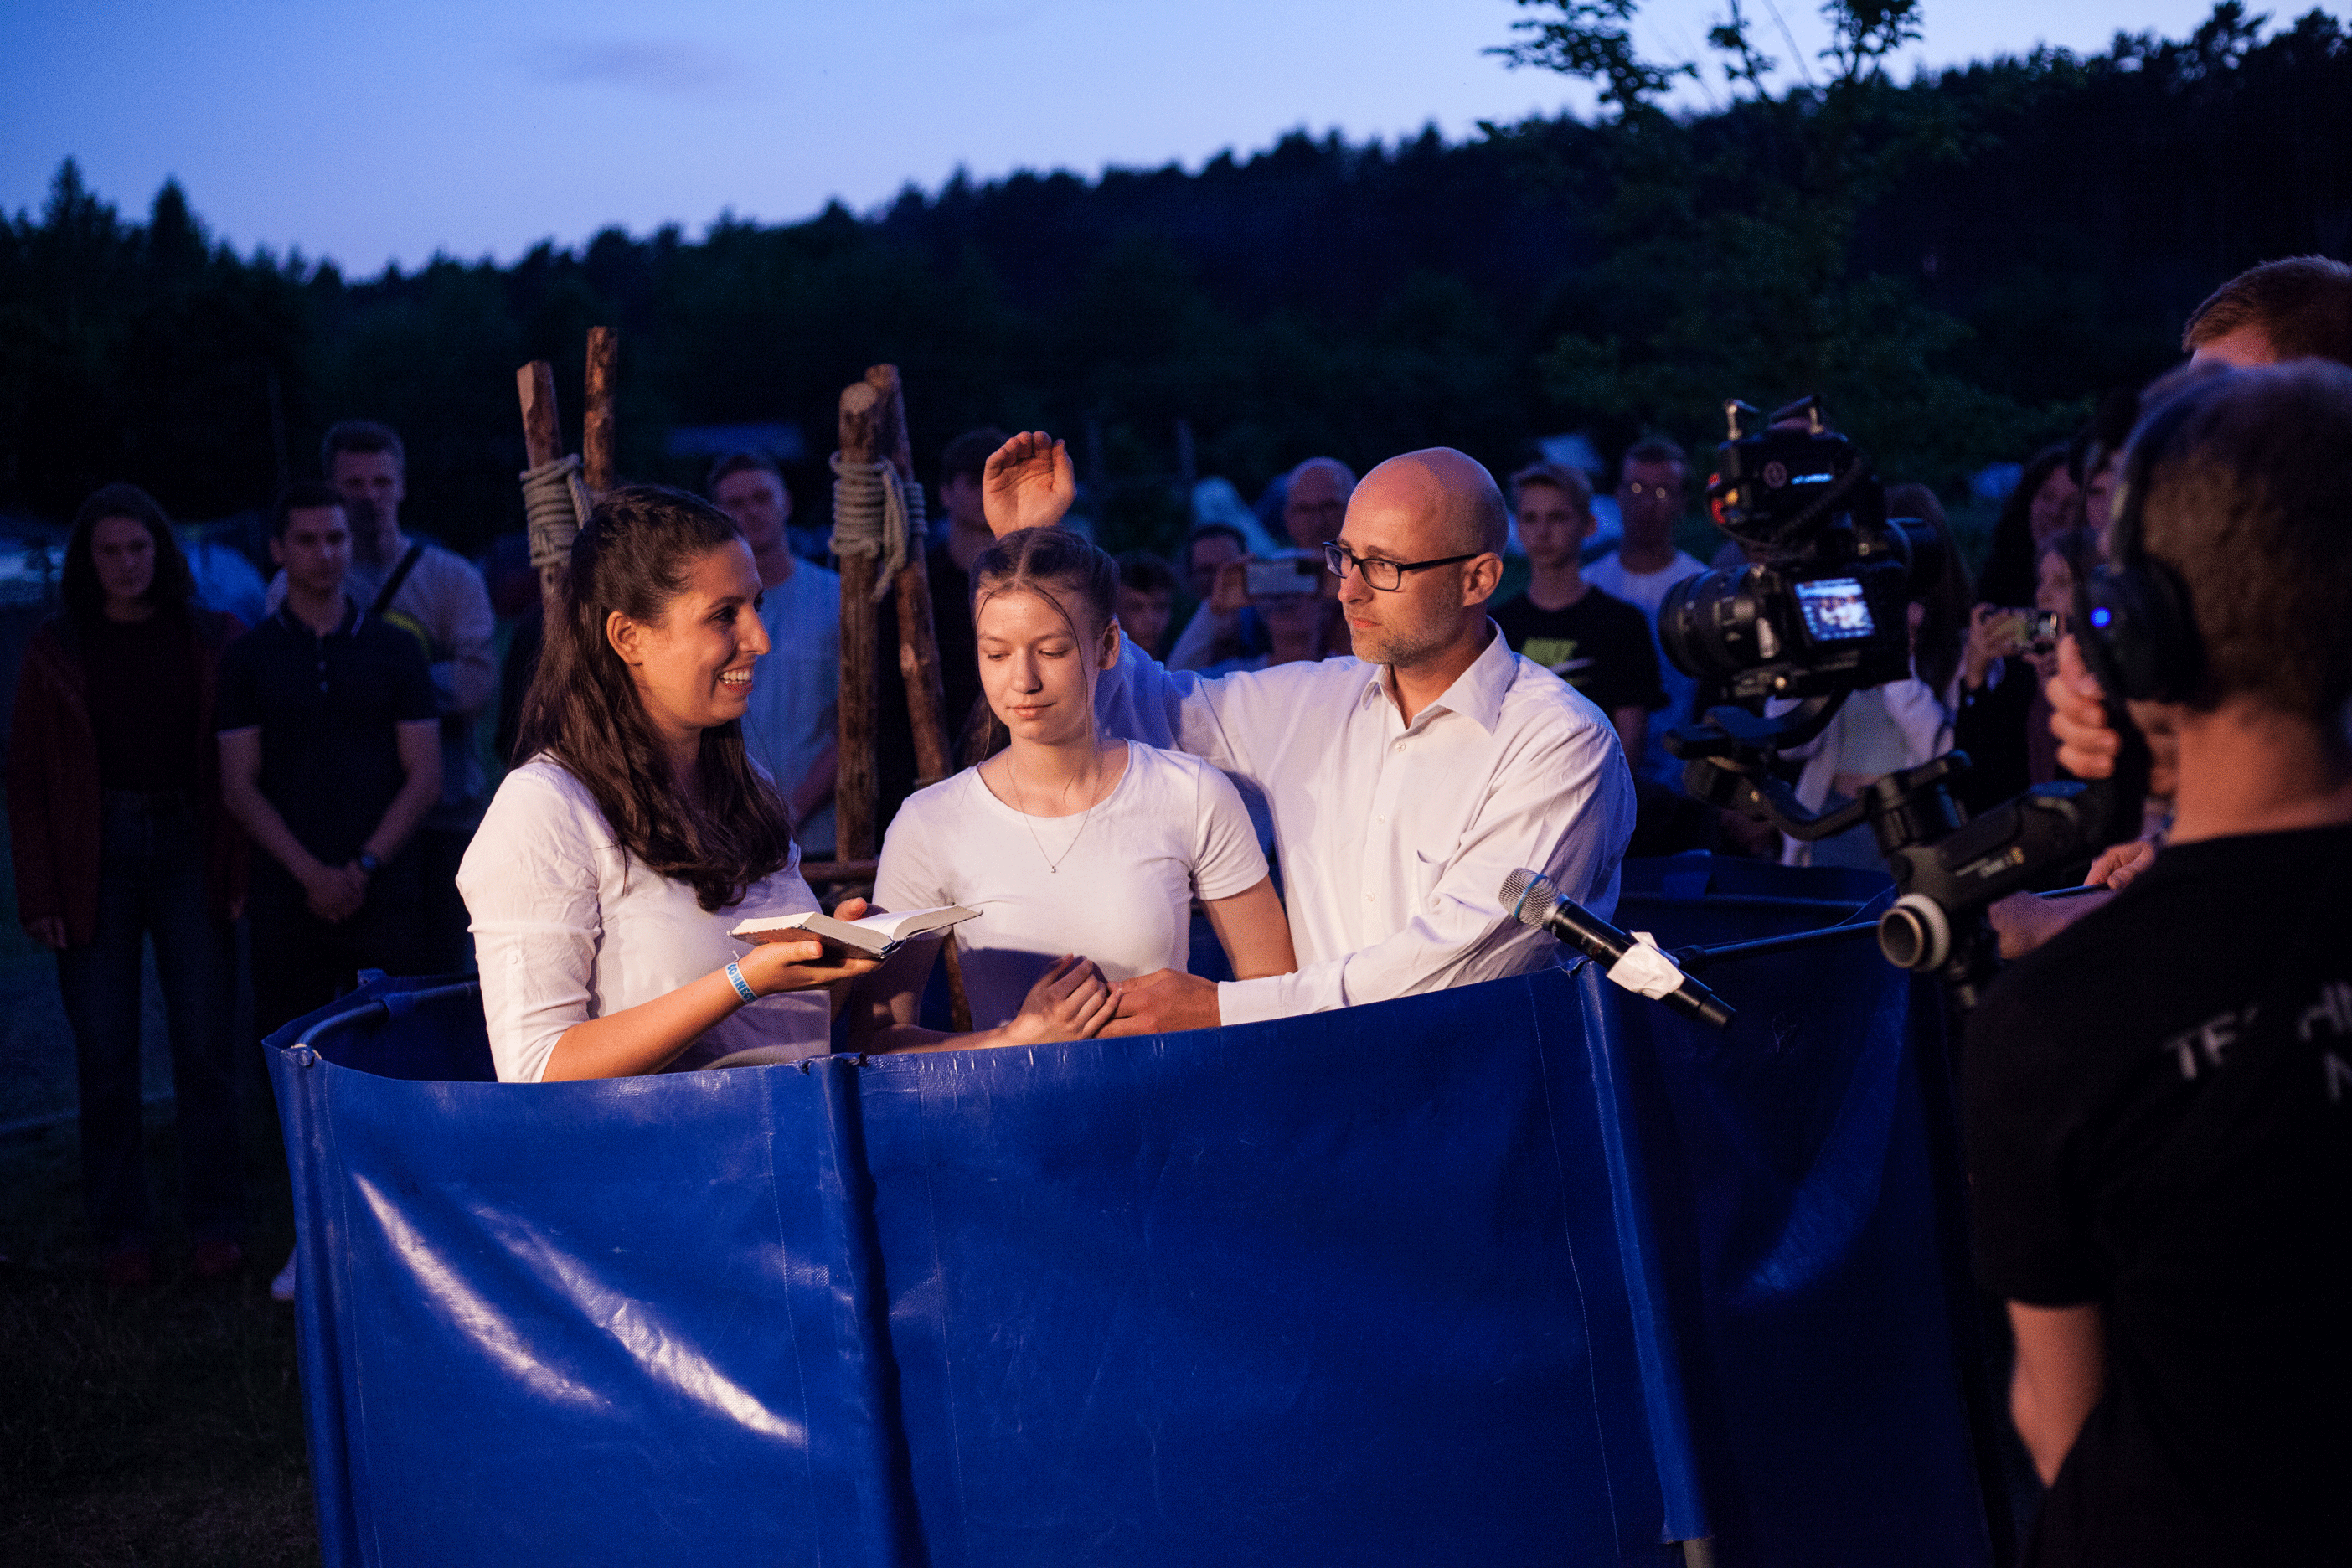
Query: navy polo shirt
{"x": 327, "y": 708}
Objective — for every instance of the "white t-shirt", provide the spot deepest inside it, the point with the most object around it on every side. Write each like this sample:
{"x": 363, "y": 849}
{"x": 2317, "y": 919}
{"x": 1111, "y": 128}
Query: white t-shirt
{"x": 1171, "y": 827}
{"x": 1645, "y": 591}
{"x": 568, "y": 926}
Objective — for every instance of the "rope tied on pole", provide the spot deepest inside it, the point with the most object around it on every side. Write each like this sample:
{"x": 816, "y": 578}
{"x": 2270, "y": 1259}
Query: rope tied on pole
{"x": 555, "y": 503}
{"x": 875, "y": 513}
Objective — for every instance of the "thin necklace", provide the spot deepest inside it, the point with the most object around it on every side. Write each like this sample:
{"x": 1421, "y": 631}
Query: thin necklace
{"x": 1052, "y": 865}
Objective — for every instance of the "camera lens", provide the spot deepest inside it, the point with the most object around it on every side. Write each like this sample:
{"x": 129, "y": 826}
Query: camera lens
{"x": 1713, "y": 625}
{"x": 1914, "y": 935}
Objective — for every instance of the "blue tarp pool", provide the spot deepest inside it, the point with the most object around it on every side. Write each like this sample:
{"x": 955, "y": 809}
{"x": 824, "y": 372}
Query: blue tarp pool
{"x": 1531, "y": 1272}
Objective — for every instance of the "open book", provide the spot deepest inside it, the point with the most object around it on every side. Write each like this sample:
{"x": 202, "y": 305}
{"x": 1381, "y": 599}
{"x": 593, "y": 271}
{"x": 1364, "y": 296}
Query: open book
{"x": 876, "y": 936}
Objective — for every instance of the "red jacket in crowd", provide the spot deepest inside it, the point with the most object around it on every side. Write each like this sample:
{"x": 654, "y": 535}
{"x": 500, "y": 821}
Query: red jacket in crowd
{"x": 53, "y": 789}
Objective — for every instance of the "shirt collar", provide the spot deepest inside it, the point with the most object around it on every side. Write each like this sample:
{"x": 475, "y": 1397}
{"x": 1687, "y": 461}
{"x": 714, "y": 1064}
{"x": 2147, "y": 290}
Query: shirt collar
{"x": 294, "y": 622}
{"x": 1476, "y": 693}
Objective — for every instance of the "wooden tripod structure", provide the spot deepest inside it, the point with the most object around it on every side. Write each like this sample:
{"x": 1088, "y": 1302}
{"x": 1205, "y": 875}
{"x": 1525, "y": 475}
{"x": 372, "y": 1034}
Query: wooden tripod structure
{"x": 873, "y": 428}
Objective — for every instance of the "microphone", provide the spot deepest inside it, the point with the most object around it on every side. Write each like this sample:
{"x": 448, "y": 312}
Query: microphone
{"x": 1630, "y": 963}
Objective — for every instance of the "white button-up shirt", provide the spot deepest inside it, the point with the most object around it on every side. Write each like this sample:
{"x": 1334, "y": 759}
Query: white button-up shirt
{"x": 1395, "y": 838}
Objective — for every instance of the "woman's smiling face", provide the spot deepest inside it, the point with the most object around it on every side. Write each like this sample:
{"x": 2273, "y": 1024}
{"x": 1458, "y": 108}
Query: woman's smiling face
{"x": 693, "y": 667}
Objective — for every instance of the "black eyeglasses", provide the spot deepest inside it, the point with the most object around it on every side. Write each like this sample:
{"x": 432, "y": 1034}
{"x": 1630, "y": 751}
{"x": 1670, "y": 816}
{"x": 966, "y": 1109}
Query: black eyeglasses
{"x": 1386, "y": 576}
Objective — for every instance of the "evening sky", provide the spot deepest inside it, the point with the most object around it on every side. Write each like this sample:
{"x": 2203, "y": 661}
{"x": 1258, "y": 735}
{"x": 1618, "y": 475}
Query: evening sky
{"x": 395, "y": 132}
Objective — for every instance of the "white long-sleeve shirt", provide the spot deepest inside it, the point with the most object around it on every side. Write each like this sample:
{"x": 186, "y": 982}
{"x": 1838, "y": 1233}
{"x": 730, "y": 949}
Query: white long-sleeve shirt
{"x": 1395, "y": 840}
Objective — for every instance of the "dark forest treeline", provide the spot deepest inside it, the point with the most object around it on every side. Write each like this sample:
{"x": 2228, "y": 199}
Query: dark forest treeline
{"x": 1957, "y": 265}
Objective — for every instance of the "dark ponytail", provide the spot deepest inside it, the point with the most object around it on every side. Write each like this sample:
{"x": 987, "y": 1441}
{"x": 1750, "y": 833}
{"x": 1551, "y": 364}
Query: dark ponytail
{"x": 583, "y": 709}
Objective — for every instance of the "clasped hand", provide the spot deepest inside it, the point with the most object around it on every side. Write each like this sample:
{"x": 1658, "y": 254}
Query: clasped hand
{"x": 335, "y": 893}
{"x": 1071, "y": 1001}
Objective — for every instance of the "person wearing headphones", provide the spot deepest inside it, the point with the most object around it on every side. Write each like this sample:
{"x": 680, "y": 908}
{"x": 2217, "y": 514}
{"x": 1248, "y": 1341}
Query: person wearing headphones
{"x": 2159, "y": 1097}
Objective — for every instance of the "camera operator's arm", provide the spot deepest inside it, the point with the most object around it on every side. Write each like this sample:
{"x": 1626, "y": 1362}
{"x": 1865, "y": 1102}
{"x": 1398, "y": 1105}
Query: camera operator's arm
{"x": 2062, "y": 1365}
{"x": 2087, "y": 748}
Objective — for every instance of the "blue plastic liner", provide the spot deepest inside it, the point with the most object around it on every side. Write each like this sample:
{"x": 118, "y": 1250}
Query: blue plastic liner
{"x": 1521, "y": 1273}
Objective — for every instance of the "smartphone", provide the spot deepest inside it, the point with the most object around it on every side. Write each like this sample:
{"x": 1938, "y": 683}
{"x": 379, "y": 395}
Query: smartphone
{"x": 2034, "y": 630}
{"x": 1285, "y": 574}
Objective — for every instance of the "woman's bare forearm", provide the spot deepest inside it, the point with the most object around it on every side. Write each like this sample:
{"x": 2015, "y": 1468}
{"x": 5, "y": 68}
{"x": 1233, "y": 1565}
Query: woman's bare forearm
{"x": 643, "y": 1038}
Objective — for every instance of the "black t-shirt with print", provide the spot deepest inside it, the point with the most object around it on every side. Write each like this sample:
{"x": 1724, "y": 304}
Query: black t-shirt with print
{"x": 2160, "y": 1120}
{"x": 1598, "y": 645}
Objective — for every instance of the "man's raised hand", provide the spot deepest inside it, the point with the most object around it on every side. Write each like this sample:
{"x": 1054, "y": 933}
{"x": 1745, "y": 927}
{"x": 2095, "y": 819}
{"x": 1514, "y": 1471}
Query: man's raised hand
{"x": 1028, "y": 483}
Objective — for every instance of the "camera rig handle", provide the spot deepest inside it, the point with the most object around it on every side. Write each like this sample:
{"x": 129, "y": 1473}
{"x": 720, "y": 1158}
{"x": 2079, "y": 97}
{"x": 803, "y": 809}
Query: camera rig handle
{"x": 1946, "y": 870}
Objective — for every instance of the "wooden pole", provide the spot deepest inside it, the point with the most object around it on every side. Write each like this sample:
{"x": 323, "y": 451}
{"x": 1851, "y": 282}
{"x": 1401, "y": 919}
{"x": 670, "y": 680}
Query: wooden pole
{"x": 918, "y": 651}
{"x": 918, "y": 640}
{"x": 596, "y": 426}
{"x": 856, "y": 800}
{"x": 542, "y": 443}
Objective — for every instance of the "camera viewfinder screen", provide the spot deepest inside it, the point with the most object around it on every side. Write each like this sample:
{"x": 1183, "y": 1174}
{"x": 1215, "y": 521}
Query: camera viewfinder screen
{"x": 1834, "y": 609}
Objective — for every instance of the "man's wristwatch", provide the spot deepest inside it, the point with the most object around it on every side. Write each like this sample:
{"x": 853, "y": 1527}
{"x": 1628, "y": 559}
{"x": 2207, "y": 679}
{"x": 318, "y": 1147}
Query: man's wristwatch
{"x": 368, "y": 864}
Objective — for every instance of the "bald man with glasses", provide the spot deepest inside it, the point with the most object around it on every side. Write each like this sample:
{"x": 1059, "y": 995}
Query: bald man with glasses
{"x": 1405, "y": 783}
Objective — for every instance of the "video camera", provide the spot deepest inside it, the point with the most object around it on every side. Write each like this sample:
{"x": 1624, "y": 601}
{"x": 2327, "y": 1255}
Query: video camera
{"x": 1822, "y": 611}
{"x": 1826, "y": 605}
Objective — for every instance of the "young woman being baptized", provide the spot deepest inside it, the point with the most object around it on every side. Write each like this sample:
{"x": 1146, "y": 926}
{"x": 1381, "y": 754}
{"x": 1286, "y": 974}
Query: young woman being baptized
{"x": 612, "y": 864}
{"x": 1066, "y": 842}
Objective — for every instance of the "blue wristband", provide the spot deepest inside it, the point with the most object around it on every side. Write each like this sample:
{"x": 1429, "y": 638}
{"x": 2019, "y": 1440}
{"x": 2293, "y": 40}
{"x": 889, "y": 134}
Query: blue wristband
{"x": 742, "y": 986}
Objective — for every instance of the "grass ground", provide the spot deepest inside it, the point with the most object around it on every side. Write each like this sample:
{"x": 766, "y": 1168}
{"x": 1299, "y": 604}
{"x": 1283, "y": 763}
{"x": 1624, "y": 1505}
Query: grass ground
{"x": 160, "y": 1426}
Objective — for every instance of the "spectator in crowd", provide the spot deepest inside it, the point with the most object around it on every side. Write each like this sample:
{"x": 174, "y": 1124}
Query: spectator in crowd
{"x": 792, "y": 727}
{"x": 2095, "y": 454}
{"x": 2003, "y": 718}
{"x": 951, "y": 576}
{"x": 2300, "y": 308}
{"x": 1143, "y": 831}
{"x": 1206, "y": 550}
{"x": 636, "y": 833}
{"x": 118, "y": 835}
{"x": 1314, "y": 502}
{"x": 2158, "y": 1098}
{"x": 1405, "y": 783}
{"x": 329, "y": 757}
{"x": 1208, "y": 637}
{"x": 1598, "y": 645}
{"x": 1147, "y": 601}
{"x": 1297, "y": 628}
{"x": 2045, "y": 503}
{"x": 1641, "y": 570}
{"x": 438, "y": 597}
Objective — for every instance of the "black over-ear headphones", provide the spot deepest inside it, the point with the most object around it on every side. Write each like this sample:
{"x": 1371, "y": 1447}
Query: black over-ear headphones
{"x": 2141, "y": 639}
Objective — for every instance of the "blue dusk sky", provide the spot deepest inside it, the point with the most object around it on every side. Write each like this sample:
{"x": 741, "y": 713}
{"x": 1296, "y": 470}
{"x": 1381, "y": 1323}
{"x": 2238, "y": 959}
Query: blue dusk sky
{"x": 390, "y": 133}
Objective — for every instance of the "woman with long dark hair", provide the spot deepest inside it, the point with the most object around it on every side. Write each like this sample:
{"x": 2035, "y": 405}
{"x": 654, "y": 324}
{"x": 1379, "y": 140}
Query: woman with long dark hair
{"x": 2045, "y": 503}
{"x": 115, "y": 821}
{"x": 613, "y": 863}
